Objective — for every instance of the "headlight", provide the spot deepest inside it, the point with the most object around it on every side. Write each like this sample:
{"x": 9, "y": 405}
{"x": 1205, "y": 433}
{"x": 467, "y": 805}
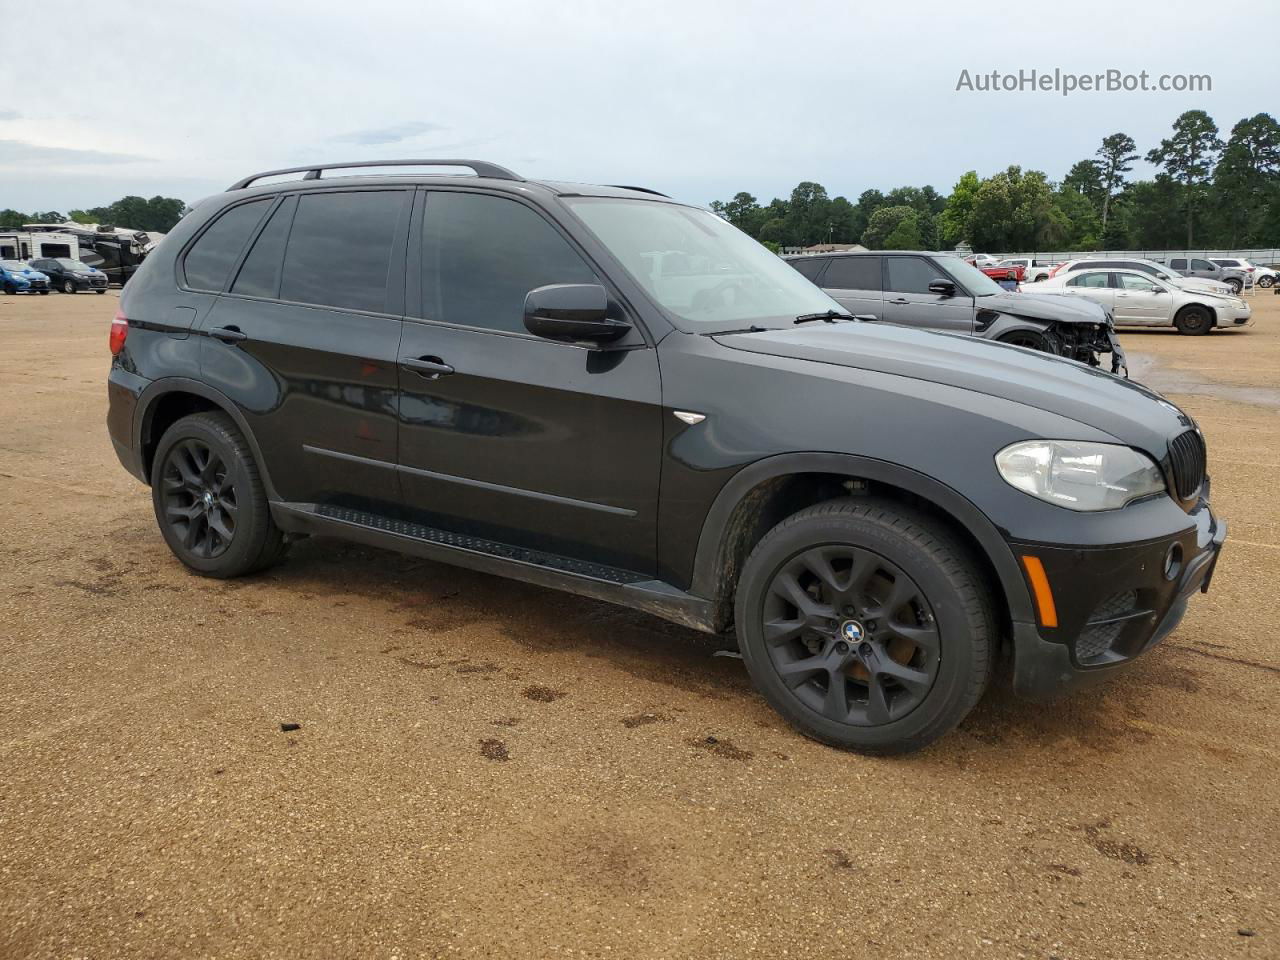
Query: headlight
{"x": 1080, "y": 476}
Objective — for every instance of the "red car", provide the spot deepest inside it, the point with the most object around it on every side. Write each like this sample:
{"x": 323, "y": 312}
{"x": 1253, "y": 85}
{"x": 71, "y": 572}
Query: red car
{"x": 1012, "y": 272}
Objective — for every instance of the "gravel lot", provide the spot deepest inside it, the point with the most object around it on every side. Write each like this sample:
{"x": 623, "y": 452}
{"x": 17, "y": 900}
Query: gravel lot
{"x": 485, "y": 768}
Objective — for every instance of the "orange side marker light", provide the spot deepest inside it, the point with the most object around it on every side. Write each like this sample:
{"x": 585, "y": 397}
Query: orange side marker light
{"x": 1040, "y": 587}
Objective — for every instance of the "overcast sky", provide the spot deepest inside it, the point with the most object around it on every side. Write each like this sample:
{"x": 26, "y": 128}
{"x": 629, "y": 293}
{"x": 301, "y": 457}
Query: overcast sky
{"x": 696, "y": 99}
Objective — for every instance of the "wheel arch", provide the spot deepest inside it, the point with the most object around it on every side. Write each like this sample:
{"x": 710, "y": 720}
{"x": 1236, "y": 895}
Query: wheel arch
{"x": 168, "y": 400}
{"x": 1207, "y": 308}
{"x": 764, "y": 493}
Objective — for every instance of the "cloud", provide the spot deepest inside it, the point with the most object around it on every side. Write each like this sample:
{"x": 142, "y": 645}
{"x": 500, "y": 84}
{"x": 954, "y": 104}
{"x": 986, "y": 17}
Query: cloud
{"x": 19, "y": 153}
{"x": 392, "y": 134}
{"x": 10, "y": 115}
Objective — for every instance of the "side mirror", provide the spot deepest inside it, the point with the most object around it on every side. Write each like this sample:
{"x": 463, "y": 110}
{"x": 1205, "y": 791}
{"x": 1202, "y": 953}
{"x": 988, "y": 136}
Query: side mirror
{"x": 942, "y": 287}
{"x": 571, "y": 312}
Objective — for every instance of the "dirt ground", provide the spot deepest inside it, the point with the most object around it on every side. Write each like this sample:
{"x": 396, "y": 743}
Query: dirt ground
{"x": 485, "y": 768}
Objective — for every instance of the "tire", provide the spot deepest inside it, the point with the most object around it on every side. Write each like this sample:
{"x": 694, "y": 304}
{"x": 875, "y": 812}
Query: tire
{"x": 1266, "y": 282}
{"x": 1193, "y": 321}
{"x": 68, "y": 286}
{"x": 1235, "y": 285}
{"x": 99, "y": 292}
{"x": 43, "y": 293}
{"x": 913, "y": 653}
{"x": 10, "y": 289}
{"x": 209, "y": 499}
{"x": 1032, "y": 339}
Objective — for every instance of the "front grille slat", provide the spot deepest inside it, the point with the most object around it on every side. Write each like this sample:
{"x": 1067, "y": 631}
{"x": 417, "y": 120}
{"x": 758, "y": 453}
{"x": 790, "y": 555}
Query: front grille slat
{"x": 1187, "y": 457}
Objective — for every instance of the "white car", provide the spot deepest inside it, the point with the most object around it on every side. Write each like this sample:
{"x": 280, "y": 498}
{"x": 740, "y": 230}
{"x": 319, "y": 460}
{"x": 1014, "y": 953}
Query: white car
{"x": 1035, "y": 270}
{"x": 1157, "y": 270}
{"x": 1262, "y": 276}
{"x": 1136, "y": 298}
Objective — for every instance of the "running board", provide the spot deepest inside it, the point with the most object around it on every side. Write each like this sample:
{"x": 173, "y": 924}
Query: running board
{"x": 614, "y": 585}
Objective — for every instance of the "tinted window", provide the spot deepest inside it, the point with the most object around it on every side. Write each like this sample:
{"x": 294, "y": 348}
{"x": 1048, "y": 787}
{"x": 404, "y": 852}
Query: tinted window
{"x": 1202, "y": 265}
{"x": 1227, "y": 263}
{"x": 853, "y": 273}
{"x": 260, "y": 275}
{"x": 809, "y": 267}
{"x": 481, "y": 255}
{"x": 210, "y": 260}
{"x": 911, "y": 275}
{"x": 1141, "y": 284}
{"x": 1088, "y": 280}
{"x": 340, "y": 249}
{"x": 1178, "y": 264}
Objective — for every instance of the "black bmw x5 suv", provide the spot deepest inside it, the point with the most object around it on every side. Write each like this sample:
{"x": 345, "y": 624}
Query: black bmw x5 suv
{"x": 604, "y": 391}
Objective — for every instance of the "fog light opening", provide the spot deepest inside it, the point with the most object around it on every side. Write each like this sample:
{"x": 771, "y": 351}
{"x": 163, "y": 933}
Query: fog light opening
{"x": 1173, "y": 562}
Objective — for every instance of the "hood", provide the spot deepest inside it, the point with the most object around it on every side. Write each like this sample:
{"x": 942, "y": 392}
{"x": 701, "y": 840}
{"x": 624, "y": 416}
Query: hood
{"x": 1129, "y": 412}
{"x": 1201, "y": 285}
{"x": 1044, "y": 306}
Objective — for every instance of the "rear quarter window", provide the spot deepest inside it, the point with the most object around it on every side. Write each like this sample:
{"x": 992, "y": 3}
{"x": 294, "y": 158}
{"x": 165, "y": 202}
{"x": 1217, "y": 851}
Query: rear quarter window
{"x": 809, "y": 267}
{"x": 210, "y": 259}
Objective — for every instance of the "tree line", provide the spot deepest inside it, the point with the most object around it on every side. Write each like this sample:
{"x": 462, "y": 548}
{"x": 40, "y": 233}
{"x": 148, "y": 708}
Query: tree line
{"x": 159, "y": 215}
{"x": 1209, "y": 192}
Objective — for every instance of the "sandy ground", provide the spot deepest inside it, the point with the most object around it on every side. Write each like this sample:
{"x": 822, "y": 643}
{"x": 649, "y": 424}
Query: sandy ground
{"x": 485, "y": 768}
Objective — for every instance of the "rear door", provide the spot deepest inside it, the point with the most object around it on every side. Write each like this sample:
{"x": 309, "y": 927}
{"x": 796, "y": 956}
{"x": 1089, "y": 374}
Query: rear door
{"x": 1141, "y": 300}
{"x": 855, "y": 283}
{"x": 509, "y": 437}
{"x": 305, "y": 341}
{"x": 907, "y": 299}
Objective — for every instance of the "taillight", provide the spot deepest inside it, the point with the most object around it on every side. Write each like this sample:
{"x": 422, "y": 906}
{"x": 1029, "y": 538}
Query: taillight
{"x": 119, "y": 330}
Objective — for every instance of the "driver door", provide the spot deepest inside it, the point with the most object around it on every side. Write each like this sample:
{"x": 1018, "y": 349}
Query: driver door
{"x": 1139, "y": 300}
{"x": 907, "y": 299}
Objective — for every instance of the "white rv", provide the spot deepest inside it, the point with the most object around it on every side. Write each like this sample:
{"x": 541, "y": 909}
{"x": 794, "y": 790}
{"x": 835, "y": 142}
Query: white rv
{"x": 38, "y": 245}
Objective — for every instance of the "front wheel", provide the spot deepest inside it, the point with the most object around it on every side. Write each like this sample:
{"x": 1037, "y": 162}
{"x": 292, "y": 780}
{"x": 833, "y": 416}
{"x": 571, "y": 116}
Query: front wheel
{"x": 1235, "y": 285}
{"x": 866, "y": 625}
{"x": 1032, "y": 339}
{"x": 1266, "y": 282}
{"x": 209, "y": 499}
{"x": 68, "y": 286}
{"x": 99, "y": 292}
{"x": 1193, "y": 321}
{"x": 10, "y": 289}
{"x": 44, "y": 293}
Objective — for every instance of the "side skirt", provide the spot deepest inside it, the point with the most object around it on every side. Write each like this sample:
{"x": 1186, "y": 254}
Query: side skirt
{"x": 611, "y": 584}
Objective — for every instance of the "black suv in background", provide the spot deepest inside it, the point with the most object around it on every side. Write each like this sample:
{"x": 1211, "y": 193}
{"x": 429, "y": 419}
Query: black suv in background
{"x": 941, "y": 292}
{"x": 604, "y": 391}
{"x": 71, "y": 276}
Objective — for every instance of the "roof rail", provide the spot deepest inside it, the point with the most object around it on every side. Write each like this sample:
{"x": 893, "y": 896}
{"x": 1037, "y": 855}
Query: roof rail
{"x": 312, "y": 172}
{"x": 623, "y": 186}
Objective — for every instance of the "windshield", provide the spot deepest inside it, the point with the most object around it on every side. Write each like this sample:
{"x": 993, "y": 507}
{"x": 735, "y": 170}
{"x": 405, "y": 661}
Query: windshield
{"x": 698, "y": 267}
{"x": 72, "y": 264}
{"x": 14, "y": 265}
{"x": 969, "y": 276}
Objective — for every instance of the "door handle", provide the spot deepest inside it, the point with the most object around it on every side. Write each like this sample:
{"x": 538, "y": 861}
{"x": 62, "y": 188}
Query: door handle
{"x": 429, "y": 367}
{"x": 901, "y": 301}
{"x": 228, "y": 334}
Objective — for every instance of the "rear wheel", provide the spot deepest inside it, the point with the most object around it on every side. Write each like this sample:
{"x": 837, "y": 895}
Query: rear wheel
{"x": 865, "y": 625}
{"x": 10, "y": 288}
{"x": 209, "y": 499}
{"x": 1266, "y": 282}
{"x": 99, "y": 292}
{"x": 1194, "y": 321}
{"x": 1235, "y": 284}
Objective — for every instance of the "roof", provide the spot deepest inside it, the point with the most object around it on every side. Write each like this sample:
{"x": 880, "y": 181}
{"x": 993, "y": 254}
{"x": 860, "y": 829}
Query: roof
{"x": 864, "y": 252}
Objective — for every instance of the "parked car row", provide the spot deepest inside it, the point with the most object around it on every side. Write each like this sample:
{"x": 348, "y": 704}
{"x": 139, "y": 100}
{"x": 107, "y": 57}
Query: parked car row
{"x": 41, "y": 276}
{"x": 1234, "y": 273}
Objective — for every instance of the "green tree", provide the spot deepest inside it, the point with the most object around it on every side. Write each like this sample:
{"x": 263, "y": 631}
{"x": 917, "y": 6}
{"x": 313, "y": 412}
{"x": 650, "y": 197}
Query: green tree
{"x": 1014, "y": 211}
{"x": 1116, "y": 159}
{"x": 954, "y": 222}
{"x": 13, "y": 218}
{"x": 884, "y": 224}
{"x": 1249, "y": 167}
{"x": 809, "y": 213}
{"x": 906, "y": 235}
{"x": 1187, "y": 158}
{"x": 743, "y": 211}
{"x": 1085, "y": 178}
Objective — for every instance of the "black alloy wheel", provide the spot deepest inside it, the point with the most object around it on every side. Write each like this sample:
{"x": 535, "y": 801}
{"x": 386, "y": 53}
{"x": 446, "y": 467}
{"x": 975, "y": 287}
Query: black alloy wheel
{"x": 851, "y": 635}
{"x": 199, "y": 497}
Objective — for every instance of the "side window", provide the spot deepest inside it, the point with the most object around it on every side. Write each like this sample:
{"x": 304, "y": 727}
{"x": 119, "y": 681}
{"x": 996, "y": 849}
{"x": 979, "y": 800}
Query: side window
{"x": 1202, "y": 265}
{"x": 809, "y": 267}
{"x": 1177, "y": 264}
{"x": 339, "y": 252}
{"x": 481, "y": 255}
{"x": 853, "y": 273}
{"x": 208, "y": 262}
{"x": 1137, "y": 284}
{"x": 1093, "y": 280}
{"x": 260, "y": 275}
{"x": 911, "y": 275}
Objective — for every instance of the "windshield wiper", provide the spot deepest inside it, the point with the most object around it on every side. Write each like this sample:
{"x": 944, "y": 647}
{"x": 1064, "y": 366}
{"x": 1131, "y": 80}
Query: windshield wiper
{"x": 751, "y": 329}
{"x": 828, "y": 316}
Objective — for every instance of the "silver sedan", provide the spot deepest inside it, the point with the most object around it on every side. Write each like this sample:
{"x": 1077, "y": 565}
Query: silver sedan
{"x": 1138, "y": 299}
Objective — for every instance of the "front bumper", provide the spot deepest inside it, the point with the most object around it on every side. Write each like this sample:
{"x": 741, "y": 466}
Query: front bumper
{"x": 1112, "y": 604}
